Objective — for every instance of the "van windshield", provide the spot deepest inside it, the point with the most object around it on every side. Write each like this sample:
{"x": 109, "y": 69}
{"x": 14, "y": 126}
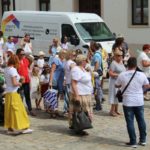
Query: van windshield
{"x": 95, "y": 31}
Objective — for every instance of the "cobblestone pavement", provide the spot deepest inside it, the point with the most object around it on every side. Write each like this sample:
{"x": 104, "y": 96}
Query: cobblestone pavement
{"x": 109, "y": 133}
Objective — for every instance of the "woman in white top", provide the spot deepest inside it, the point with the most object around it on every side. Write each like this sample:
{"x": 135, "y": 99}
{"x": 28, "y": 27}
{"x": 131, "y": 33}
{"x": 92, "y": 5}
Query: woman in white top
{"x": 81, "y": 87}
{"x": 15, "y": 115}
{"x": 116, "y": 68}
{"x": 70, "y": 63}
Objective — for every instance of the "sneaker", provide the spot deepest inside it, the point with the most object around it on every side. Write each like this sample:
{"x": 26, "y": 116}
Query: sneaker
{"x": 142, "y": 143}
{"x": 131, "y": 145}
{"x": 27, "y": 131}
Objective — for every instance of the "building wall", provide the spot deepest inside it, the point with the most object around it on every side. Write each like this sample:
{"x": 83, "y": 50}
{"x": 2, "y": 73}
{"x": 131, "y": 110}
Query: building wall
{"x": 66, "y": 5}
{"x": 27, "y": 4}
{"x": 118, "y": 18}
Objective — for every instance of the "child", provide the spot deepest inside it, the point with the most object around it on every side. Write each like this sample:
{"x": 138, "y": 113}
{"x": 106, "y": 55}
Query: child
{"x": 40, "y": 61}
{"x": 35, "y": 86}
{"x": 44, "y": 81}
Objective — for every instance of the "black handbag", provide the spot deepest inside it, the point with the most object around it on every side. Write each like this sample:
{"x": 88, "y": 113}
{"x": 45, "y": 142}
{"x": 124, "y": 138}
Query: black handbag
{"x": 119, "y": 93}
{"x": 119, "y": 96}
{"x": 81, "y": 120}
{"x": 100, "y": 72}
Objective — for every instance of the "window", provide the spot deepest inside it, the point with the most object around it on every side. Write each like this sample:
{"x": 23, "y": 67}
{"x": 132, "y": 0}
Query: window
{"x": 140, "y": 12}
{"x": 5, "y": 5}
{"x": 91, "y": 6}
{"x": 44, "y": 5}
{"x": 67, "y": 30}
{"x": 94, "y": 31}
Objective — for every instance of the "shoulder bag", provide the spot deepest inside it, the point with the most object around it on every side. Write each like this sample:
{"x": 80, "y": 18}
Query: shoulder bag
{"x": 119, "y": 93}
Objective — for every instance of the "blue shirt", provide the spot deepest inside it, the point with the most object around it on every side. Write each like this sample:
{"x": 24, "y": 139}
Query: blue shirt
{"x": 97, "y": 58}
{"x": 58, "y": 76}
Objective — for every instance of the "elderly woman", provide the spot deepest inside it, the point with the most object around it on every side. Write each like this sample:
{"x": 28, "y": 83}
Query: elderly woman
{"x": 116, "y": 68}
{"x": 70, "y": 63}
{"x": 54, "y": 49}
{"x": 81, "y": 88}
{"x": 57, "y": 73}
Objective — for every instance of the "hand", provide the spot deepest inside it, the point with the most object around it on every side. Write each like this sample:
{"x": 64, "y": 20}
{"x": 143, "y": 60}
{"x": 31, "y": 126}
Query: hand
{"x": 22, "y": 79}
{"x": 77, "y": 97}
{"x": 50, "y": 85}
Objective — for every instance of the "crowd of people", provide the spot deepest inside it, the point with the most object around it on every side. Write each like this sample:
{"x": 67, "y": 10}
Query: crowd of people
{"x": 76, "y": 78}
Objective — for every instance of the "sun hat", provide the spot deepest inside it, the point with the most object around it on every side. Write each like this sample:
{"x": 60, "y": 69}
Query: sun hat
{"x": 41, "y": 53}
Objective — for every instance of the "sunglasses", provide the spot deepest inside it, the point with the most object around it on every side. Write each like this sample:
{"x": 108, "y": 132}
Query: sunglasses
{"x": 119, "y": 55}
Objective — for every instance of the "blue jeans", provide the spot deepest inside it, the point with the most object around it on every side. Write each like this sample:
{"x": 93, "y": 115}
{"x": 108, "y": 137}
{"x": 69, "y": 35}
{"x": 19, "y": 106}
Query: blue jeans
{"x": 138, "y": 112}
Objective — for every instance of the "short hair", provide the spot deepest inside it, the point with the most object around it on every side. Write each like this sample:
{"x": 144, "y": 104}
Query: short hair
{"x": 80, "y": 58}
{"x": 132, "y": 62}
{"x": 70, "y": 53}
{"x": 62, "y": 53}
{"x": 19, "y": 51}
{"x": 146, "y": 46}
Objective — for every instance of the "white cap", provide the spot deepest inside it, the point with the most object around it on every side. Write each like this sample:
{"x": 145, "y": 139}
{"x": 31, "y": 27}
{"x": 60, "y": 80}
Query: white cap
{"x": 10, "y": 50}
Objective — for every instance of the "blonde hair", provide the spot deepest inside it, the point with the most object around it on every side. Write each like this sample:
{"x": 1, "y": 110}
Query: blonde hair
{"x": 80, "y": 58}
{"x": 62, "y": 53}
{"x": 69, "y": 53}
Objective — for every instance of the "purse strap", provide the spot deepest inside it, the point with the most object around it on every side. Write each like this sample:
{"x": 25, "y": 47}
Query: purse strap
{"x": 128, "y": 83}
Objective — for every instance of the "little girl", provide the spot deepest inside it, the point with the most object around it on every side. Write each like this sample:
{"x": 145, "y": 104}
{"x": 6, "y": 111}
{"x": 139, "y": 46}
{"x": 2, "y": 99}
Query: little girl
{"x": 41, "y": 61}
{"x": 35, "y": 86}
{"x": 44, "y": 81}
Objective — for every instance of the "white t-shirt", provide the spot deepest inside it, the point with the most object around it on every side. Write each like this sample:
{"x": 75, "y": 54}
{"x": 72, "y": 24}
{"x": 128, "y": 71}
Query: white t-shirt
{"x": 68, "y": 71}
{"x": 44, "y": 78}
{"x": 83, "y": 78}
{"x": 143, "y": 56}
{"x": 40, "y": 63}
{"x": 9, "y": 73}
{"x": 133, "y": 95}
{"x": 34, "y": 83}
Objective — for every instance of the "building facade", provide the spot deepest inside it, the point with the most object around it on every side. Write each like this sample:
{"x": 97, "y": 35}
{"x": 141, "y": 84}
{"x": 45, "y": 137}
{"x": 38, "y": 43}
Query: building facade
{"x": 131, "y": 18}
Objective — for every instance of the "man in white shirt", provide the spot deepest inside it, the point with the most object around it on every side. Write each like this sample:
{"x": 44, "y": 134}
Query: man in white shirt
{"x": 133, "y": 103}
{"x": 143, "y": 63}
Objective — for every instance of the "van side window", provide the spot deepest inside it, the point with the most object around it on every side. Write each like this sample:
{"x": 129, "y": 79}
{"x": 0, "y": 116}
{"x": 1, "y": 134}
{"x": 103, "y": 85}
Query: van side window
{"x": 67, "y": 30}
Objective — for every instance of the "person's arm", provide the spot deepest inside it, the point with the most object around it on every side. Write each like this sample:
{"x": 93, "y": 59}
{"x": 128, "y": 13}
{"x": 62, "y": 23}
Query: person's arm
{"x": 75, "y": 90}
{"x": 147, "y": 86}
{"x": 113, "y": 74}
{"x": 15, "y": 82}
{"x": 53, "y": 68}
{"x": 145, "y": 63}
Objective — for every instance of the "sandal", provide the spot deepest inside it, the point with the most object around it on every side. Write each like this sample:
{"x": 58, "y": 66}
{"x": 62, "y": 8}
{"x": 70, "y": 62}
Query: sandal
{"x": 113, "y": 114}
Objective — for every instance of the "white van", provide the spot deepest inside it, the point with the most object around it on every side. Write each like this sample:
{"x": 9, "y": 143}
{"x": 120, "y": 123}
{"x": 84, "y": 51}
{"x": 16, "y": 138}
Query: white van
{"x": 80, "y": 28}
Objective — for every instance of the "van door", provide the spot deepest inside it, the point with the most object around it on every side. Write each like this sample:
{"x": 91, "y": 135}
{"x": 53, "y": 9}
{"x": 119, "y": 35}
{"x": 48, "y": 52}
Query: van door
{"x": 73, "y": 40}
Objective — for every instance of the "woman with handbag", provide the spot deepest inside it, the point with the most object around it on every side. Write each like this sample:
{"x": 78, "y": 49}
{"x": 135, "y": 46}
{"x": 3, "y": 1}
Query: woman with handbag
{"x": 81, "y": 91}
{"x": 116, "y": 68}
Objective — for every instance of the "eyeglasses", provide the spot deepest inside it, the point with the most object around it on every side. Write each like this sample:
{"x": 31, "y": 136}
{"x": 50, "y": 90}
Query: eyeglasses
{"x": 119, "y": 55}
